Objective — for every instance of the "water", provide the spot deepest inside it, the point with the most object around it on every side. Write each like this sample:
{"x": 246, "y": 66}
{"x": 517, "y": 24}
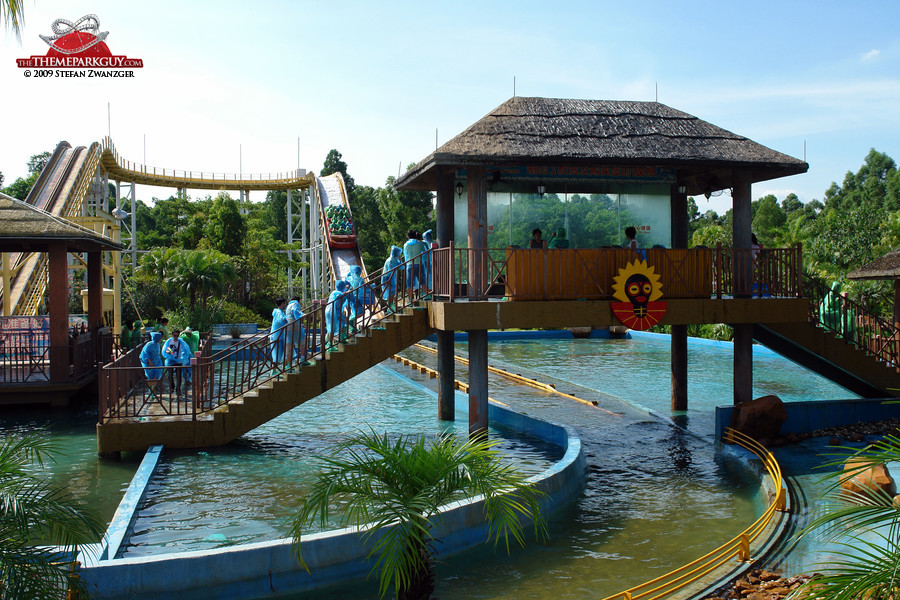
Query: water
{"x": 657, "y": 496}
{"x": 247, "y": 491}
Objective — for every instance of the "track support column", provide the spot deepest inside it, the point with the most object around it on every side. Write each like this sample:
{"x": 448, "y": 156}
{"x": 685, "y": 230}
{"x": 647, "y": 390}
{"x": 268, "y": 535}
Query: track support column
{"x": 478, "y": 383}
{"x": 446, "y": 367}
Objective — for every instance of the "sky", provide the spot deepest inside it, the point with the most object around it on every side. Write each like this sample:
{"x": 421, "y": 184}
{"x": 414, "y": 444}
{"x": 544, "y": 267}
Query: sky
{"x": 268, "y": 87}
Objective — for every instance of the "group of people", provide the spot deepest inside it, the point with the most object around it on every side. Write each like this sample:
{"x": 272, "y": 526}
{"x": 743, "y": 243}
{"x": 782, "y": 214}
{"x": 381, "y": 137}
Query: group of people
{"x": 287, "y": 336}
{"x": 558, "y": 239}
{"x": 174, "y": 352}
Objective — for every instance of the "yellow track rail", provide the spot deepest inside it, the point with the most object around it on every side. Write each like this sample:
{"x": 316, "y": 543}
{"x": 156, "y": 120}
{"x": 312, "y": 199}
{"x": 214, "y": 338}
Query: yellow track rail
{"x": 527, "y": 381}
{"x": 737, "y": 547}
{"x": 457, "y": 384}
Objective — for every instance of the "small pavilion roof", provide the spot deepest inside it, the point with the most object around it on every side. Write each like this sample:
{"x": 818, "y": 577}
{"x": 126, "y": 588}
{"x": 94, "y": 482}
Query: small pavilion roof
{"x": 557, "y": 131}
{"x": 24, "y": 227}
{"x": 883, "y": 267}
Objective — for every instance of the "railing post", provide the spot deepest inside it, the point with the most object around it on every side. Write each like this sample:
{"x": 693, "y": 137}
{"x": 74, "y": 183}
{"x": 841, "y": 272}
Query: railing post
{"x": 719, "y": 270}
{"x": 744, "y": 549}
{"x": 452, "y": 280}
{"x": 798, "y": 265}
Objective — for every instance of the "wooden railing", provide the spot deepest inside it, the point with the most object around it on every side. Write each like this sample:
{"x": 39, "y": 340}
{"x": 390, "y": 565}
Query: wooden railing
{"x": 217, "y": 378}
{"x": 25, "y": 355}
{"x": 852, "y": 322}
{"x": 525, "y": 274}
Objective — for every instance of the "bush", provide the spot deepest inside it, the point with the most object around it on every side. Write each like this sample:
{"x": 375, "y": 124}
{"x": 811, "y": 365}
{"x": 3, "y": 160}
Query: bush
{"x": 199, "y": 319}
{"x": 235, "y": 313}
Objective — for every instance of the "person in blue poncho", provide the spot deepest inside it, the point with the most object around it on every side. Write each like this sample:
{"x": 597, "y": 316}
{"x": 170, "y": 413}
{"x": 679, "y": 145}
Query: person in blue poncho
{"x": 430, "y": 245}
{"x": 276, "y": 332}
{"x": 389, "y": 275}
{"x": 295, "y": 339}
{"x": 359, "y": 295}
{"x": 335, "y": 320}
{"x": 412, "y": 250}
{"x": 177, "y": 354}
{"x": 152, "y": 357}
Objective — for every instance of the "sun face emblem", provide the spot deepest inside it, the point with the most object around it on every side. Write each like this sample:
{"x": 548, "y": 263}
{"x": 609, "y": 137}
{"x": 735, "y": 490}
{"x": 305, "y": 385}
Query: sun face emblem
{"x": 638, "y": 289}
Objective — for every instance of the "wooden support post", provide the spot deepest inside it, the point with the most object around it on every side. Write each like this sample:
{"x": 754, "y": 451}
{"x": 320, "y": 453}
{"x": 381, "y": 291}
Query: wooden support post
{"x": 446, "y": 366}
{"x": 478, "y": 383}
{"x": 743, "y": 217}
{"x": 477, "y": 235}
{"x": 743, "y": 362}
{"x": 59, "y": 312}
{"x": 7, "y": 278}
{"x": 678, "y": 205}
{"x": 679, "y": 367}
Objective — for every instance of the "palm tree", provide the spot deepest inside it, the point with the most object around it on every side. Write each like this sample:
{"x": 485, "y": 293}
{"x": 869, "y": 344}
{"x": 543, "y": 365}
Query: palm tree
{"x": 203, "y": 272}
{"x": 869, "y": 523}
{"x": 12, "y": 13}
{"x": 397, "y": 488}
{"x": 34, "y": 511}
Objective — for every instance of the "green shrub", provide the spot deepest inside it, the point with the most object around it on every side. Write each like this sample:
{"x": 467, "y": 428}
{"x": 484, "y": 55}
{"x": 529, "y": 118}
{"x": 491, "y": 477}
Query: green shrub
{"x": 235, "y": 313}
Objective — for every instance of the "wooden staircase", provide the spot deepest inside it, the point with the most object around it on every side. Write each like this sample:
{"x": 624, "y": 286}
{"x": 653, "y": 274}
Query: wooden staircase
{"x": 273, "y": 397}
{"x": 831, "y": 356}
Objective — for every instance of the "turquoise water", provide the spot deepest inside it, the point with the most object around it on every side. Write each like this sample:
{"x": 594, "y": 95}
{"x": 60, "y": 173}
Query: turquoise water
{"x": 657, "y": 495}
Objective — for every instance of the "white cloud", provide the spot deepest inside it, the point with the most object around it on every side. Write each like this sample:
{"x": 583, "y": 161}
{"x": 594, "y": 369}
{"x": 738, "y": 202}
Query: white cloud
{"x": 870, "y": 55}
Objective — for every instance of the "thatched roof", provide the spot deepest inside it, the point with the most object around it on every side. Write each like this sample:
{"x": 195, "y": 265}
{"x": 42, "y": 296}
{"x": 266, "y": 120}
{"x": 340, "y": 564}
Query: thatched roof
{"x": 24, "y": 227}
{"x": 602, "y": 132}
{"x": 884, "y": 267}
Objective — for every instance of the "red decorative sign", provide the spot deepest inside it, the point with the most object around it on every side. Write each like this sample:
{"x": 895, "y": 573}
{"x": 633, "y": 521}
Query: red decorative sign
{"x": 638, "y": 289}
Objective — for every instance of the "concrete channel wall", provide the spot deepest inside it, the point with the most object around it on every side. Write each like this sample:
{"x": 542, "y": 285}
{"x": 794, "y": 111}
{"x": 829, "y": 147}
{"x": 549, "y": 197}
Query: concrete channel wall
{"x": 270, "y": 568}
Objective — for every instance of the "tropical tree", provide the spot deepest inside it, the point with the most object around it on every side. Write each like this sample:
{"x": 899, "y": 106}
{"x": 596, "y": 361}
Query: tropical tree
{"x": 225, "y": 228}
{"x": 863, "y": 519}
{"x": 34, "y": 511}
{"x": 12, "y": 13}
{"x": 397, "y": 488}
{"x": 204, "y": 273}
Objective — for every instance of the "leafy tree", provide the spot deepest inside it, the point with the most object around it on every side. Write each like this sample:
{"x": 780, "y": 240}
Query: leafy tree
{"x": 402, "y": 211}
{"x": 33, "y": 510}
{"x": 37, "y": 162}
{"x": 1, "y": 180}
{"x": 371, "y": 229}
{"x": 20, "y": 188}
{"x": 768, "y": 219}
{"x": 397, "y": 488}
{"x": 791, "y": 203}
{"x": 225, "y": 228}
{"x": 334, "y": 164}
{"x": 204, "y": 273}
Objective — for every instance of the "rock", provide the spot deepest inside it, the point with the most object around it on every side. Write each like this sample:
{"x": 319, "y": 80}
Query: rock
{"x": 835, "y": 441}
{"x": 760, "y": 418}
{"x": 897, "y": 501}
{"x": 769, "y": 576}
{"x": 868, "y": 478}
{"x": 580, "y": 332}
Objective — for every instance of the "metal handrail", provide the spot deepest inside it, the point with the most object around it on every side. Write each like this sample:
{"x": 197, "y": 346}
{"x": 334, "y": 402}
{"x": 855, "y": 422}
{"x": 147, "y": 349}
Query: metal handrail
{"x": 737, "y": 547}
{"x": 233, "y": 372}
{"x": 852, "y": 322}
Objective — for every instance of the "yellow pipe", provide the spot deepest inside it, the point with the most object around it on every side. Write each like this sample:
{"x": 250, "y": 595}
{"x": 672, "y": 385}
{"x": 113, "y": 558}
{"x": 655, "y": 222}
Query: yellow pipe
{"x": 459, "y": 385}
{"x": 528, "y": 381}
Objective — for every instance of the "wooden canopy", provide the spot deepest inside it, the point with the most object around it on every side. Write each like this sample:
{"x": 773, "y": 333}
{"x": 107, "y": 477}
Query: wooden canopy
{"x": 555, "y": 131}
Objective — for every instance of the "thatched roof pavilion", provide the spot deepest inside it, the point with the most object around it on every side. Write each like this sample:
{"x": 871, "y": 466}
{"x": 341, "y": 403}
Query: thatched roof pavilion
{"x": 556, "y": 131}
{"x": 550, "y": 145}
{"x": 25, "y": 228}
{"x": 886, "y": 267}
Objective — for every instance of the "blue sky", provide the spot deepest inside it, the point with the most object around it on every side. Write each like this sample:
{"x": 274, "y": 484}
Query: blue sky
{"x": 231, "y": 86}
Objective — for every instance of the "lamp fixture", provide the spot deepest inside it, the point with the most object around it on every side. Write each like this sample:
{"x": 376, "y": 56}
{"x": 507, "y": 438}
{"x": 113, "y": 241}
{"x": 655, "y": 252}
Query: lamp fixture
{"x": 459, "y": 189}
{"x": 541, "y": 190}
{"x": 682, "y": 189}
{"x": 119, "y": 214}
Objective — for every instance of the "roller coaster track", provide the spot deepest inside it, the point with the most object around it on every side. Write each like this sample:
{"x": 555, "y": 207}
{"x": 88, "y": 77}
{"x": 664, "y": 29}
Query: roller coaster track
{"x": 331, "y": 191}
{"x": 124, "y": 170}
{"x": 60, "y": 190}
